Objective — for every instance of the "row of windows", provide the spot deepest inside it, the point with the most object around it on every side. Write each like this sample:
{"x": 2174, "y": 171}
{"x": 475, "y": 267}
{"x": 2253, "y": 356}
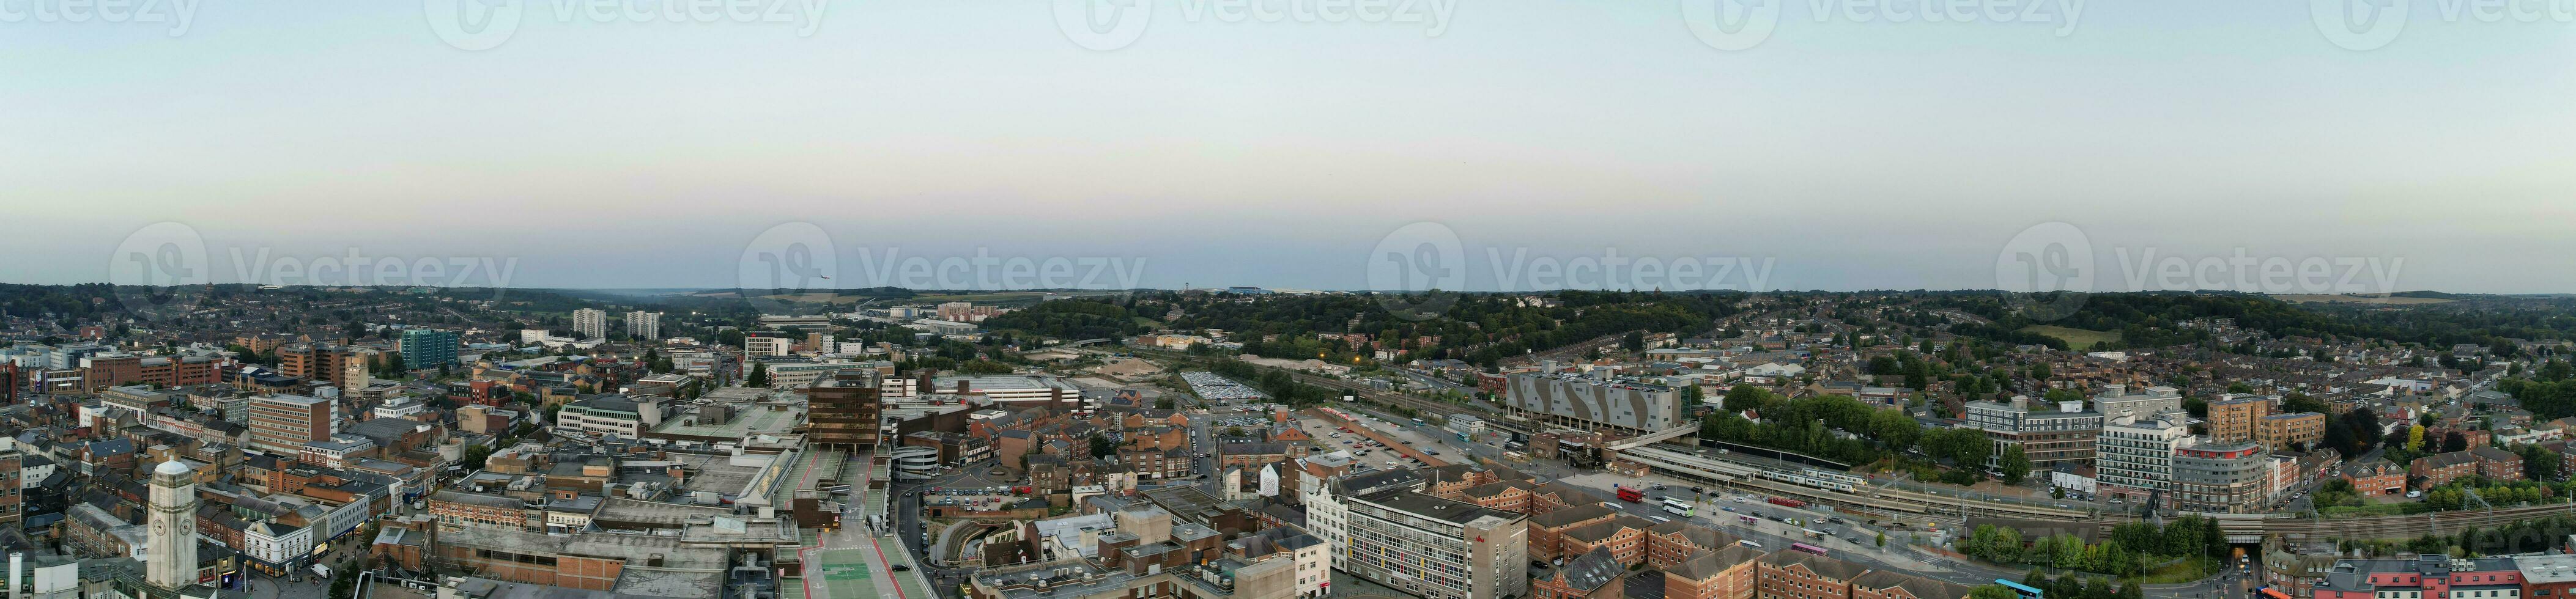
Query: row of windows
{"x": 513, "y": 557}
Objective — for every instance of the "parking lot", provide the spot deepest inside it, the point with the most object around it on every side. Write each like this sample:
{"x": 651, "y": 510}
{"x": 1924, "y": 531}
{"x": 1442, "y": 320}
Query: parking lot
{"x": 1396, "y": 444}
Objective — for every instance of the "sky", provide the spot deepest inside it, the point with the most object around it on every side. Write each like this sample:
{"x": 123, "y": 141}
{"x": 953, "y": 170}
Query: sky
{"x": 1305, "y": 144}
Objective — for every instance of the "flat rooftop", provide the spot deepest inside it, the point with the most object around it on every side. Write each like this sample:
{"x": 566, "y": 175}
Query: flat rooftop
{"x": 1453, "y": 512}
{"x": 747, "y": 420}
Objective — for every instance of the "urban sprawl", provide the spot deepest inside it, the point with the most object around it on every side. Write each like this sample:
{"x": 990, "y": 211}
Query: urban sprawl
{"x": 309, "y": 442}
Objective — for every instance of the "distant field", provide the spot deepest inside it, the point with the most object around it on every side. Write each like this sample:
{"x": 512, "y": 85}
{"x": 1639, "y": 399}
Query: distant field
{"x": 980, "y": 298}
{"x": 2077, "y": 339}
{"x": 2359, "y": 299}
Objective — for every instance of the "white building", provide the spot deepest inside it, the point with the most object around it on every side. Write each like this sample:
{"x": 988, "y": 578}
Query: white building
{"x": 644, "y": 325}
{"x": 2116, "y": 401}
{"x": 591, "y": 323}
{"x": 276, "y": 543}
{"x": 766, "y": 344}
{"x": 2135, "y": 455}
{"x": 610, "y": 414}
{"x": 1382, "y": 528}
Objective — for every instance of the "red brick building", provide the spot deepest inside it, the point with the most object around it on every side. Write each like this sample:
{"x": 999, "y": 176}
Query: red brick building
{"x": 2438, "y": 469}
{"x": 1795, "y": 575}
{"x": 1891, "y": 585}
{"x": 1729, "y": 573}
{"x": 1547, "y": 531}
{"x": 1593, "y": 575}
{"x": 2376, "y": 478}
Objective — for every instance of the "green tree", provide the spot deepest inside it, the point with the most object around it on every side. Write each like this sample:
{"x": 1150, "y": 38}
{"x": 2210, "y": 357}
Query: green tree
{"x": 759, "y": 376}
{"x": 1993, "y": 591}
{"x": 2014, "y": 464}
{"x": 1101, "y": 447}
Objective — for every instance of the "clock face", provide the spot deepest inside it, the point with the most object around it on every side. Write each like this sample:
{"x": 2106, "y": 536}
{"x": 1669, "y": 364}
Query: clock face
{"x": 158, "y": 528}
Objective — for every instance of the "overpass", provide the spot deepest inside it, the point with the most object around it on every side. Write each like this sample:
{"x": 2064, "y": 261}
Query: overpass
{"x": 1650, "y": 439}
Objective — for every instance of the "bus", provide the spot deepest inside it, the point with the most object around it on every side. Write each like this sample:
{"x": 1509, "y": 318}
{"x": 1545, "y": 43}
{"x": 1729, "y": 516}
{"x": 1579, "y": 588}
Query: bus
{"x": 1678, "y": 507}
{"x": 1631, "y": 494}
{"x": 1807, "y": 548}
{"x": 1419, "y": 422}
{"x": 1748, "y": 520}
{"x": 2271, "y": 593}
{"x": 2022, "y": 590}
{"x": 1814, "y": 534}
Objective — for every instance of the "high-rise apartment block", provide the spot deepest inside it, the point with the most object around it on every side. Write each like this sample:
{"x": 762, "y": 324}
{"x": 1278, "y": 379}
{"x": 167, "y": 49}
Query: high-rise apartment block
{"x": 2237, "y": 417}
{"x": 591, "y": 323}
{"x": 2135, "y": 456}
{"x": 428, "y": 348}
{"x": 644, "y": 325}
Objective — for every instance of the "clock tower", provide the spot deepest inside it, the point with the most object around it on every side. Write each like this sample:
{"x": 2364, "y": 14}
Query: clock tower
{"x": 171, "y": 551}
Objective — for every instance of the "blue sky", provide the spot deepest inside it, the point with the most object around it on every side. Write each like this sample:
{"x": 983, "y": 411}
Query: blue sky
{"x": 1848, "y": 153}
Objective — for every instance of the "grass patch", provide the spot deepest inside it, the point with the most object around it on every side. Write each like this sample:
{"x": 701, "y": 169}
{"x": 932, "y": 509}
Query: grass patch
{"x": 2193, "y": 570}
{"x": 2076, "y": 339}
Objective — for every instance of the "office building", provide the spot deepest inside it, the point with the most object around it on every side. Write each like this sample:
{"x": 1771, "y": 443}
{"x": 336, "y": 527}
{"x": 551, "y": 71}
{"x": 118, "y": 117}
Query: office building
{"x": 2135, "y": 456}
{"x": 619, "y": 415}
{"x": 2116, "y": 401}
{"x": 428, "y": 349}
{"x": 1594, "y": 404}
{"x": 282, "y": 424}
{"x": 2049, "y": 434}
{"x": 590, "y": 323}
{"x": 766, "y": 343}
{"x": 644, "y": 325}
{"x": 846, "y": 410}
{"x": 334, "y": 364}
{"x": 2226, "y": 477}
{"x": 1384, "y": 529}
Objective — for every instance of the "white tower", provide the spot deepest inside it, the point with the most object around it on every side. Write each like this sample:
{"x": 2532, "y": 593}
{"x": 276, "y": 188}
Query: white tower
{"x": 171, "y": 552}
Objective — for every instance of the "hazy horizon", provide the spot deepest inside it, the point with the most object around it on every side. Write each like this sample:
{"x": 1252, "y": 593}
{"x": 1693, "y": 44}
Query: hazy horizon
{"x": 600, "y": 144}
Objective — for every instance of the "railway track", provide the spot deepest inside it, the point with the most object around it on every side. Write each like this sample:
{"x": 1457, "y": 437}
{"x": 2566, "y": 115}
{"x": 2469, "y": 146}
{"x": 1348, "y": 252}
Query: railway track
{"x": 1362, "y": 391}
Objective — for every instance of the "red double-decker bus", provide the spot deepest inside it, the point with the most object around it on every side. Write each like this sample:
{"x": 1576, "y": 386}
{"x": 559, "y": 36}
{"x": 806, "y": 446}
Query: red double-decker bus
{"x": 1631, "y": 495}
{"x": 1807, "y": 548}
{"x": 1787, "y": 502}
